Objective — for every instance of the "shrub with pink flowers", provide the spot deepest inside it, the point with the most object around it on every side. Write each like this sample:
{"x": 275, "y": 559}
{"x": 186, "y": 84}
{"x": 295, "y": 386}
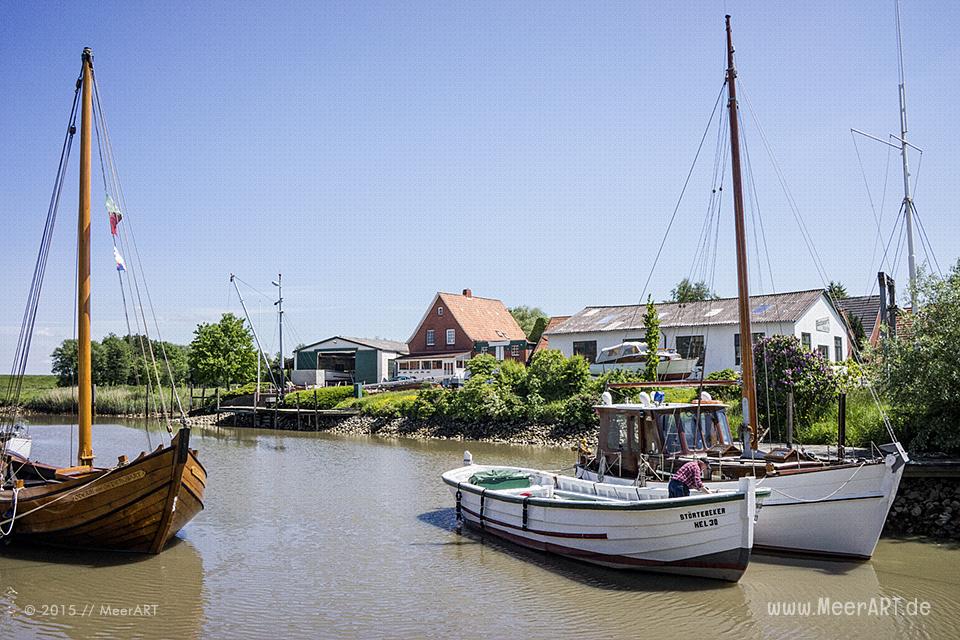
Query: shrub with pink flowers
{"x": 782, "y": 365}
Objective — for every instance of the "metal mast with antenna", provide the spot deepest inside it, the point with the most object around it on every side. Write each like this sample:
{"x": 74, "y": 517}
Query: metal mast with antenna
{"x": 907, "y": 206}
{"x": 907, "y": 200}
{"x": 278, "y": 283}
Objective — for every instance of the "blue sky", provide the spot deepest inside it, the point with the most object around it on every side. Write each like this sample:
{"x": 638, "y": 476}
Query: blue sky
{"x": 376, "y": 153}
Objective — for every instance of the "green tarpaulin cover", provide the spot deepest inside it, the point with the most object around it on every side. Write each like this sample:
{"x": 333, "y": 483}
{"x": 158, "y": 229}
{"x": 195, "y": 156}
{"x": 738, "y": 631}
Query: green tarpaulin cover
{"x": 500, "y": 479}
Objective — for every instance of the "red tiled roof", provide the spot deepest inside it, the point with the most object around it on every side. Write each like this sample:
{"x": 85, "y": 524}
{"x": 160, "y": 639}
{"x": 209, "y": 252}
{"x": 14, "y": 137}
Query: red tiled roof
{"x": 482, "y": 318}
{"x": 544, "y": 341}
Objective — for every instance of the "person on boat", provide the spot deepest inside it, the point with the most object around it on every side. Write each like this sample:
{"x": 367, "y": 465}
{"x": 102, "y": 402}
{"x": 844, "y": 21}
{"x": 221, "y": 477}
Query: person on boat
{"x": 689, "y": 476}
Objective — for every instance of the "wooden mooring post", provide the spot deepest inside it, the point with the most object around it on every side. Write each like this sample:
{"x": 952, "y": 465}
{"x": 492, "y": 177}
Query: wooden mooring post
{"x": 298, "y": 413}
{"x": 316, "y": 412}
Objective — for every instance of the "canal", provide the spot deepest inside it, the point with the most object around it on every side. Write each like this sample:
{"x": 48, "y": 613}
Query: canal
{"x": 318, "y": 536}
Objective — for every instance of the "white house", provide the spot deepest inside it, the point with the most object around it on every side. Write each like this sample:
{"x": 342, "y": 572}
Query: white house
{"x": 710, "y": 329}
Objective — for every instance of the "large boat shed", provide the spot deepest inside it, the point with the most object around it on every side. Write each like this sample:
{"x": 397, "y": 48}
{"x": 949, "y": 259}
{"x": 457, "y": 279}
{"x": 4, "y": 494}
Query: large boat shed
{"x": 346, "y": 360}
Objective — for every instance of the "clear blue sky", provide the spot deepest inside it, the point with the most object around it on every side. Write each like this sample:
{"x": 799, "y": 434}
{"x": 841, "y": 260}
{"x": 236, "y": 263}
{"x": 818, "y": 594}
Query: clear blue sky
{"x": 377, "y": 153}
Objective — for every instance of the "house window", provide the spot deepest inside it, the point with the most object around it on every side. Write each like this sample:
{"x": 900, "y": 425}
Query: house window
{"x": 587, "y": 349}
{"x": 691, "y": 347}
{"x": 824, "y": 351}
{"x": 451, "y": 336}
{"x": 461, "y": 364}
{"x": 737, "y": 349}
{"x": 414, "y": 365}
{"x": 439, "y": 311}
{"x": 805, "y": 341}
{"x": 431, "y": 337}
{"x": 514, "y": 351}
{"x": 838, "y": 348}
{"x": 438, "y": 364}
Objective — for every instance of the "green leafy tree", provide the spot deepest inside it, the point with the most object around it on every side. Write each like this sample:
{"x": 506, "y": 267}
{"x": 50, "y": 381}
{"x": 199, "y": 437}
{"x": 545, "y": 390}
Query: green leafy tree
{"x": 527, "y": 317}
{"x": 859, "y": 333}
{"x": 223, "y": 352}
{"x": 920, "y": 369}
{"x": 651, "y": 322}
{"x": 117, "y": 360}
{"x": 687, "y": 291}
{"x": 837, "y": 291}
{"x": 65, "y": 362}
{"x": 555, "y": 377}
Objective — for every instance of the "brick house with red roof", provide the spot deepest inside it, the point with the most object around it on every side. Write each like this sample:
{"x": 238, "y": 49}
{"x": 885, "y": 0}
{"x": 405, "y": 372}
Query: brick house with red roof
{"x": 457, "y": 327}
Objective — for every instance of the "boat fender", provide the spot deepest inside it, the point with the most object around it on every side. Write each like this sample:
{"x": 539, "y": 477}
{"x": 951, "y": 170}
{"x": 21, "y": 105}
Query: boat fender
{"x": 483, "y": 498}
{"x": 526, "y": 499}
{"x": 458, "y": 497}
{"x": 467, "y": 458}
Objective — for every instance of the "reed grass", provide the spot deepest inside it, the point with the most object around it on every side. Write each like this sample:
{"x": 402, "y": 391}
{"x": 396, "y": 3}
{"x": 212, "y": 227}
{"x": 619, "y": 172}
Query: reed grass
{"x": 110, "y": 401}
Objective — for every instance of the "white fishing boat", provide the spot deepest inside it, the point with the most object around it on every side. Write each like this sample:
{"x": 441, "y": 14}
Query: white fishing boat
{"x": 821, "y": 506}
{"x": 707, "y": 535}
{"x": 632, "y": 356}
{"x": 818, "y": 505}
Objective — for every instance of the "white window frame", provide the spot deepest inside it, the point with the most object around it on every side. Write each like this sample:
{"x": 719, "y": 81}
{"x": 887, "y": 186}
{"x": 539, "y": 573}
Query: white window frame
{"x": 439, "y": 311}
{"x": 451, "y": 336}
{"x": 431, "y": 337}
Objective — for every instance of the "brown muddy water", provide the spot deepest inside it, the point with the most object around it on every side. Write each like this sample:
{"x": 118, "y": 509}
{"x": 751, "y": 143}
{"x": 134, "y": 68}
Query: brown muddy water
{"x": 319, "y": 536}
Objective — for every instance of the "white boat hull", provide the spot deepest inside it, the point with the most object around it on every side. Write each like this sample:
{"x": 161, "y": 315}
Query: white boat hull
{"x": 666, "y": 370}
{"x": 705, "y": 536}
{"x": 836, "y": 511}
{"x": 19, "y": 446}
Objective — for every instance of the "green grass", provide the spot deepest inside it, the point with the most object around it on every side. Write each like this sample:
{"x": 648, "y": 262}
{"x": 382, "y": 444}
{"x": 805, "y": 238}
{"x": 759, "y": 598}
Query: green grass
{"x": 864, "y": 423}
{"x": 32, "y": 386}
{"x": 389, "y": 404}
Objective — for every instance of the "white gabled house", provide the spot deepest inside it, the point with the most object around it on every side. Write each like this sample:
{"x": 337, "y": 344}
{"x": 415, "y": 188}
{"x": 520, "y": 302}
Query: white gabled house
{"x": 708, "y": 330}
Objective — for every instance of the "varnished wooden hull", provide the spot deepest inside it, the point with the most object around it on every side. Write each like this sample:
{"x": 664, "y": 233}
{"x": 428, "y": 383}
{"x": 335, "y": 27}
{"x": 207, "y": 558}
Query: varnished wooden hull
{"x": 136, "y": 507}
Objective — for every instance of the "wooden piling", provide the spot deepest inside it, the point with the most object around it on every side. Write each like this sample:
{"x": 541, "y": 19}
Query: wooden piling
{"x": 316, "y": 411}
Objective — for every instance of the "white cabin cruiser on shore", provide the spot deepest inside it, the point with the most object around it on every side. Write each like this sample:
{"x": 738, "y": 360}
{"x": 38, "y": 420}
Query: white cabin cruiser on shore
{"x": 632, "y": 356}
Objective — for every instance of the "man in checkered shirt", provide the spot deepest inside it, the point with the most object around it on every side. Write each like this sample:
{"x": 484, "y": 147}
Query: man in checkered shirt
{"x": 689, "y": 476}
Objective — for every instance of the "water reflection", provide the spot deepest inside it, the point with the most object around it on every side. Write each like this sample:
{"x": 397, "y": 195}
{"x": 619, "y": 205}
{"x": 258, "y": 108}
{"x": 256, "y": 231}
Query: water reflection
{"x": 314, "y": 535}
{"x": 45, "y": 592}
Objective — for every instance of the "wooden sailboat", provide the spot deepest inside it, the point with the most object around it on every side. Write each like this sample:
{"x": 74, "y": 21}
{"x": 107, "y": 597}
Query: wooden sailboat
{"x": 831, "y": 507}
{"x": 134, "y": 506}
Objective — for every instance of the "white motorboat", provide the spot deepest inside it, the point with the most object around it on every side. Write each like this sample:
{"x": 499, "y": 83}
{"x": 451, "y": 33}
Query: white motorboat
{"x": 18, "y": 446}
{"x": 707, "y": 535}
{"x": 830, "y": 507}
{"x": 632, "y": 356}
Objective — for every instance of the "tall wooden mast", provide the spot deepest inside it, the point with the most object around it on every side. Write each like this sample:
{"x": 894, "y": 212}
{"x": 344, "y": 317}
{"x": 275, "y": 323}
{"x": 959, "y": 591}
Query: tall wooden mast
{"x": 84, "y": 382}
{"x": 743, "y": 289}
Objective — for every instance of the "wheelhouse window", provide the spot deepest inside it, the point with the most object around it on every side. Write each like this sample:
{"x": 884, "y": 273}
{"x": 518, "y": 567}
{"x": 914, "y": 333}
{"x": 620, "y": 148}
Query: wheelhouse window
{"x": 838, "y": 349}
{"x": 451, "y": 336}
{"x": 431, "y": 337}
{"x": 616, "y": 431}
{"x": 671, "y": 438}
{"x": 691, "y": 347}
{"x": 692, "y": 437}
{"x": 587, "y": 349}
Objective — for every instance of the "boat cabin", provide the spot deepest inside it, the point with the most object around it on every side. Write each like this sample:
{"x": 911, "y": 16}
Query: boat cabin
{"x": 633, "y": 433}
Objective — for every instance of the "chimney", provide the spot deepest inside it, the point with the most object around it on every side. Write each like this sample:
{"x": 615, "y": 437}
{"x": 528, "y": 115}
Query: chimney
{"x": 467, "y": 293}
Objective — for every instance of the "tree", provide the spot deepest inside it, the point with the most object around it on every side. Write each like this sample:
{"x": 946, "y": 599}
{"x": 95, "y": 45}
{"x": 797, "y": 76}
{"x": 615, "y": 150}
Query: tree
{"x": 527, "y": 317}
{"x": 687, "y": 291}
{"x": 223, "y": 353}
{"x": 859, "y": 333}
{"x": 117, "y": 361}
{"x": 65, "y": 363}
{"x": 837, "y": 291}
{"x": 920, "y": 371}
{"x": 651, "y": 321}
{"x": 555, "y": 377}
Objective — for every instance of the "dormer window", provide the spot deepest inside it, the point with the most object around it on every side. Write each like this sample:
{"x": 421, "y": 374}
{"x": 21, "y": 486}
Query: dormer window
{"x": 439, "y": 311}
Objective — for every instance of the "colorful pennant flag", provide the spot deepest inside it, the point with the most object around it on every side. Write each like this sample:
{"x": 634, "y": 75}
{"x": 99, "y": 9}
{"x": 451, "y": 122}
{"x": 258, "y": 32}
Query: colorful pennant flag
{"x": 121, "y": 265}
{"x": 115, "y": 215}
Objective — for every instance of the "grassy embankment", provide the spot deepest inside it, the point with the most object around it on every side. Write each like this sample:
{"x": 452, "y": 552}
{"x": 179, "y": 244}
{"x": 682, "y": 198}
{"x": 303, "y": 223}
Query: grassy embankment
{"x": 41, "y": 394}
